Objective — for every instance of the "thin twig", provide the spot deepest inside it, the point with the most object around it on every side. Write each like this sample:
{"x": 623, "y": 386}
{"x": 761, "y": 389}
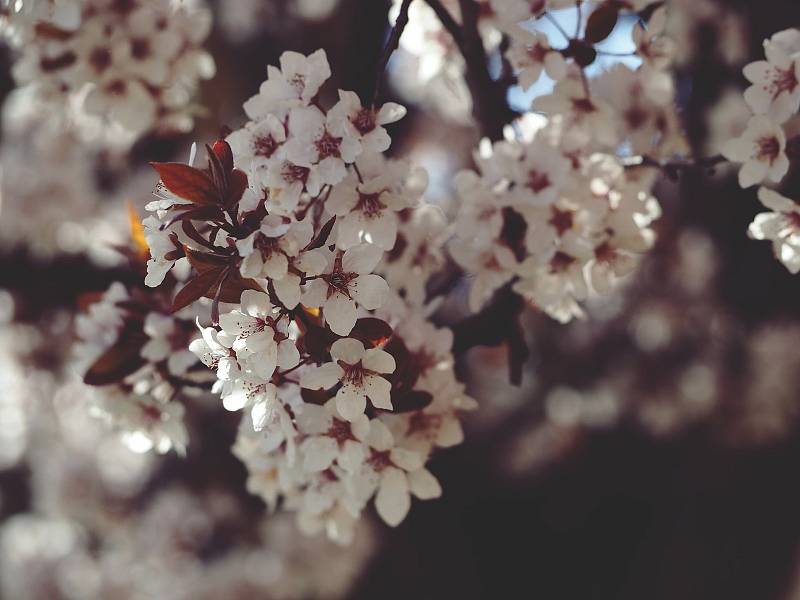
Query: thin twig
{"x": 672, "y": 168}
{"x": 558, "y": 26}
{"x": 391, "y": 45}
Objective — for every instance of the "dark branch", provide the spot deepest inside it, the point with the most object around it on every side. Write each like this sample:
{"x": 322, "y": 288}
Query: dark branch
{"x": 391, "y": 46}
{"x": 673, "y": 168}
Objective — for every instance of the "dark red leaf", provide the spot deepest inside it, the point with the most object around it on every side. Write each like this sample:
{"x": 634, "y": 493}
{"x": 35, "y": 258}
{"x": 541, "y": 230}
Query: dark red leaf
{"x": 197, "y": 287}
{"x": 371, "y": 331}
{"x": 322, "y": 236}
{"x": 223, "y": 151}
{"x": 120, "y": 360}
{"x": 195, "y": 213}
{"x": 315, "y": 396}
{"x": 410, "y": 401}
{"x": 187, "y": 182}
{"x": 218, "y": 173}
{"x": 237, "y": 184}
{"x": 193, "y": 234}
{"x": 234, "y": 285}
{"x": 601, "y": 22}
{"x": 202, "y": 261}
{"x": 316, "y": 342}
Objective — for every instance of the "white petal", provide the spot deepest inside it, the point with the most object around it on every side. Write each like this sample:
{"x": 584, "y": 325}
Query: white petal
{"x": 379, "y": 391}
{"x": 393, "y": 500}
{"x": 350, "y": 402}
{"x": 319, "y": 453}
{"x": 340, "y": 314}
{"x": 347, "y": 349}
{"x": 379, "y": 436}
{"x": 362, "y": 258}
{"x": 406, "y": 459}
{"x": 256, "y": 303}
{"x": 322, "y": 377}
{"x": 424, "y": 485}
{"x": 369, "y": 290}
{"x": 379, "y": 361}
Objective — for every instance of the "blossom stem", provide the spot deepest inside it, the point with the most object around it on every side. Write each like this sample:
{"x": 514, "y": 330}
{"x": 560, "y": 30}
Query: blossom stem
{"x": 391, "y": 45}
{"x": 558, "y": 26}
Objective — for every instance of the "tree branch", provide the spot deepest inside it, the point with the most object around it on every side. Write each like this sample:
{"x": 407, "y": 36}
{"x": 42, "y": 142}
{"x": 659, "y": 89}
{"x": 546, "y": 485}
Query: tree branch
{"x": 673, "y": 168}
{"x": 391, "y": 45}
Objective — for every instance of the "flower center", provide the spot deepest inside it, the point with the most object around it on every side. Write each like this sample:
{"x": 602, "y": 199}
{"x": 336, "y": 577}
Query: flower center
{"x": 561, "y": 220}
{"x": 100, "y": 59}
{"x": 364, "y": 121}
{"x": 769, "y": 148}
{"x": 293, "y": 173}
{"x": 140, "y": 48}
{"x": 328, "y": 145}
{"x": 560, "y": 262}
{"x": 265, "y": 146}
{"x": 783, "y": 80}
{"x": 537, "y": 181}
{"x": 369, "y": 204}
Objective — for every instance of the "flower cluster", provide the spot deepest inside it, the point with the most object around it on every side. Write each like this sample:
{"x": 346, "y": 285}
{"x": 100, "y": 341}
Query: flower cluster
{"x": 285, "y": 229}
{"x": 552, "y": 207}
{"x": 136, "y": 353}
{"x": 546, "y": 219}
{"x": 136, "y": 64}
{"x": 765, "y": 146}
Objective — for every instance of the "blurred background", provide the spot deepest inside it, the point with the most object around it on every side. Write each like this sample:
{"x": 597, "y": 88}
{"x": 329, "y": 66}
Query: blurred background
{"x": 652, "y": 450}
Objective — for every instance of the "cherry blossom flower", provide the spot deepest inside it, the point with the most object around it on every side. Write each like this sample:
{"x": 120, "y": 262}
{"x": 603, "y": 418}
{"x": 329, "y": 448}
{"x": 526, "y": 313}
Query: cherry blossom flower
{"x": 393, "y": 474}
{"x": 761, "y": 149}
{"x": 315, "y": 146}
{"x": 360, "y": 372}
{"x": 259, "y": 343}
{"x": 331, "y": 438}
{"x": 259, "y": 144}
{"x": 349, "y": 119}
{"x": 346, "y": 283}
{"x": 781, "y": 226}
{"x": 530, "y": 54}
{"x": 776, "y": 82}
{"x": 295, "y": 84}
{"x": 366, "y": 203}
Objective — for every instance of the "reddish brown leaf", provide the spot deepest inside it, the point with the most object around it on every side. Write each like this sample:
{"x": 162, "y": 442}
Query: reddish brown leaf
{"x": 322, "y": 236}
{"x": 371, "y": 331}
{"x": 195, "y": 213}
{"x": 602, "y": 22}
{"x": 237, "y": 184}
{"x": 316, "y": 342}
{"x": 223, "y": 151}
{"x": 219, "y": 174}
{"x": 233, "y": 287}
{"x": 187, "y": 182}
{"x": 203, "y": 262}
{"x": 410, "y": 401}
{"x": 119, "y": 361}
{"x": 197, "y": 287}
{"x": 315, "y": 396}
